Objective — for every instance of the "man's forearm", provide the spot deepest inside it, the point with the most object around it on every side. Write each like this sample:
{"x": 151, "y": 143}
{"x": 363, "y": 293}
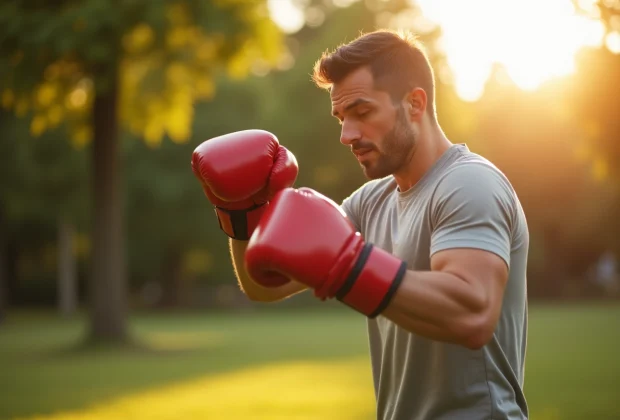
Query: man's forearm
{"x": 253, "y": 290}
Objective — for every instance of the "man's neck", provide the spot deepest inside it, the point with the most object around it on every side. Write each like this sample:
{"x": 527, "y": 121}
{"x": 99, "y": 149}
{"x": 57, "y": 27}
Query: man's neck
{"x": 430, "y": 147}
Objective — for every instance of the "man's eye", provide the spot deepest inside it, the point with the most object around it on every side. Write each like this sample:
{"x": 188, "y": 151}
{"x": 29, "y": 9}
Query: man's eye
{"x": 363, "y": 113}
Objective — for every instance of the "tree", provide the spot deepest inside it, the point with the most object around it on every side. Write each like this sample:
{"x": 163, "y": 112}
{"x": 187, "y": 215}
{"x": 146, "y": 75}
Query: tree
{"x": 596, "y": 95}
{"x": 531, "y": 138}
{"x": 3, "y": 275}
{"x": 101, "y": 65}
{"x": 594, "y": 103}
{"x": 43, "y": 180}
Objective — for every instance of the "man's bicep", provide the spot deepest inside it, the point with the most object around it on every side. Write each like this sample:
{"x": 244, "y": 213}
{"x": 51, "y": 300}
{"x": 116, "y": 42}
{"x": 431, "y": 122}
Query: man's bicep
{"x": 473, "y": 265}
{"x": 473, "y": 208}
{"x": 485, "y": 273}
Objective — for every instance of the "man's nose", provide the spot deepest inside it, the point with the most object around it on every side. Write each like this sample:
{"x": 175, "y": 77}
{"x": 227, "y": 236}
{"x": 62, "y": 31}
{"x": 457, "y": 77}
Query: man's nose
{"x": 349, "y": 133}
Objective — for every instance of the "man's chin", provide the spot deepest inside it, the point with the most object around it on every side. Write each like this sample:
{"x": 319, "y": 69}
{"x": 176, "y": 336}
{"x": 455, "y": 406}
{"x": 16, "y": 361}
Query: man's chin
{"x": 371, "y": 172}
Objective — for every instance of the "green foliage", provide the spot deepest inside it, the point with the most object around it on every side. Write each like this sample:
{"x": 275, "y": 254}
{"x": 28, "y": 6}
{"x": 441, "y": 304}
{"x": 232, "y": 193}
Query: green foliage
{"x": 57, "y": 55}
{"x": 42, "y": 181}
{"x": 41, "y": 178}
{"x": 159, "y": 58}
{"x": 173, "y": 233}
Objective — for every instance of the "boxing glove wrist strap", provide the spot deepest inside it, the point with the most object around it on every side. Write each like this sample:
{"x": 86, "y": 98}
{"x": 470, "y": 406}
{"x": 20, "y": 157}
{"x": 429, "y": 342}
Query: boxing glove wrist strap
{"x": 373, "y": 281}
{"x": 240, "y": 224}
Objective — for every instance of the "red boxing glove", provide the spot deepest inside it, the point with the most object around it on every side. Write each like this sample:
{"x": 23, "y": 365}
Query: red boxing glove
{"x": 239, "y": 173}
{"x": 305, "y": 236}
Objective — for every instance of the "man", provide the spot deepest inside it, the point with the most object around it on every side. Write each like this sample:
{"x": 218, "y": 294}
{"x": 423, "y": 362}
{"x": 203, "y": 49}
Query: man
{"x": 433, "y": 249}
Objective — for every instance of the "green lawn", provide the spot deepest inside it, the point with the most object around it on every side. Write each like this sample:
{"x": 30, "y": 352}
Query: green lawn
{"x": 274, "y": 364}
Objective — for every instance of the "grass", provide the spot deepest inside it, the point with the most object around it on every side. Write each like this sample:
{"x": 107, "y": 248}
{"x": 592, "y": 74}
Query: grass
{"x": 274, "y": 364}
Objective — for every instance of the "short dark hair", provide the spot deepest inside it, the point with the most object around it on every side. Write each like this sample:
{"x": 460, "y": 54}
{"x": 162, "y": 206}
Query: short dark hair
{"x": 397, "y": 61}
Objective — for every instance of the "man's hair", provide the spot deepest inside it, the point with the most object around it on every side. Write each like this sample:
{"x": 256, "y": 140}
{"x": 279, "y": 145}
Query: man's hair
{"x": 397, "y": 61}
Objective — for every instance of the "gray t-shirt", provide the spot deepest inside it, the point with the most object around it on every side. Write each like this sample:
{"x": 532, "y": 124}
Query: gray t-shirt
{"x": 462, "y": 201}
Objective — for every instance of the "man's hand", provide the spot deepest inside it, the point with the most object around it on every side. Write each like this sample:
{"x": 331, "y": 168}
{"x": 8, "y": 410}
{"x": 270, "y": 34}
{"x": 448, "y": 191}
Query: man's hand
{"x": 239, "y": 173}
{"x": 306, "y": 237}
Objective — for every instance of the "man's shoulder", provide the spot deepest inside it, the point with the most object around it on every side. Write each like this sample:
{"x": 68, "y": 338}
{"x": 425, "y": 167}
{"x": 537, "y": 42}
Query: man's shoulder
{"x": 474, "y": 168}
{"x": 475, "y": 179}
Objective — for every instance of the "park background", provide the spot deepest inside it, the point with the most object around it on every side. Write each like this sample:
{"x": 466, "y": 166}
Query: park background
{"x": 117, "y": 297}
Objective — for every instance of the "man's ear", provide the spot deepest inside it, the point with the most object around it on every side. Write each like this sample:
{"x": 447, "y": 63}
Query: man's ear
{"x": 415, "y": 103}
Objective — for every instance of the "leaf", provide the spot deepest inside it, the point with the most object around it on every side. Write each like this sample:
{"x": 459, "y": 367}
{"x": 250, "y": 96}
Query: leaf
{"x": 46, "y": 94}
{"x": 55, "y": 115}
{"x": 99, "y": 53}
{"x": 153, "y": 132}
{"x": 165, "y": 53}
{"x": 8, "y": 98}
{"x": 81, "y": 135}
{"x": 38, "y": 125}
{"x": 139, "y": 39}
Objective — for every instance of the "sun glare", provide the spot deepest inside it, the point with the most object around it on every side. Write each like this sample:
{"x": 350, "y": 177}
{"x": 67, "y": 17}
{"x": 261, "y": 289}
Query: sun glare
{"x": 288, "y": 16}
{"x": 533, "y": 40}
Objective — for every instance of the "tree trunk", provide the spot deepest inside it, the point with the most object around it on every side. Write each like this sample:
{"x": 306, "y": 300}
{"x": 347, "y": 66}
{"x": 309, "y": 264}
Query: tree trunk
{"x": 67, "y": 290}
{"x": 3, "y": 266}
{"x": 107, "y": 288}
{"x": 172, "y": 278}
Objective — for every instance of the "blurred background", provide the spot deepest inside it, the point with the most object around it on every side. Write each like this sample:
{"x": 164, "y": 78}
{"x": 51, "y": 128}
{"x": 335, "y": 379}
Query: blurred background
{"x": 117, "y": 296}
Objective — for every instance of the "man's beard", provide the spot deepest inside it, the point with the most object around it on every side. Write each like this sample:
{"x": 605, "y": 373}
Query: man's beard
{"x": 397, "y": 148}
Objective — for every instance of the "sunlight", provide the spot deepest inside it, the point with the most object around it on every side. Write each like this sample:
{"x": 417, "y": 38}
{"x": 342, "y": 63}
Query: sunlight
{"x": 613, "y": 42}
{"x": 535, "y": 41}
{"x": 298, "y": 390}
{"x": 288, "y": 16}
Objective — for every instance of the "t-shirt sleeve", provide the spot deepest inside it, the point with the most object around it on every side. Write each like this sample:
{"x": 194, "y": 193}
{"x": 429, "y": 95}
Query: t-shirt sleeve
{"x": 472, "y": 207}
{"x": 352, "y": 207}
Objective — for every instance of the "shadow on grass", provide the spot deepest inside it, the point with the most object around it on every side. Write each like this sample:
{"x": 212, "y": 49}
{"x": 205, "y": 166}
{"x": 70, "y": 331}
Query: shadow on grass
{"x": 132, "y": 346}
